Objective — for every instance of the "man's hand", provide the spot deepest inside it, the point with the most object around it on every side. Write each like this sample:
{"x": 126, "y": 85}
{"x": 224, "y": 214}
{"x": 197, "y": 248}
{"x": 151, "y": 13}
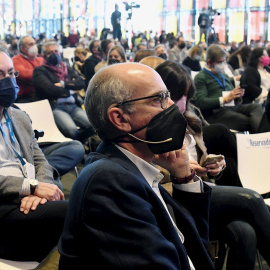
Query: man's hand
{"x": 48, "y": 191}
{"x": 44, "y": 192}
{"x": 176, "y": 162}
{"x": 235, "y": 93}
{"x": 31, "y": 202}
{"x": 58, "y": 84}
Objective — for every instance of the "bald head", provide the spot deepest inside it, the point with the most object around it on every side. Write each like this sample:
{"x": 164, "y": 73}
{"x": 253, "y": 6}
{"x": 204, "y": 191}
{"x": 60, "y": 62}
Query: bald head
{"x": 118, "y": 83}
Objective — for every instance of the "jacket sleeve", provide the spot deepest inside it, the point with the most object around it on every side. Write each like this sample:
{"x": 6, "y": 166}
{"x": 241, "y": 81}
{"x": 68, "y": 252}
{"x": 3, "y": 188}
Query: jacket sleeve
{"x": 45, "y": 86}
{"x": 74, "y": 81}
{"x": 252, "y": 79}
{"x": 10, "y": 186}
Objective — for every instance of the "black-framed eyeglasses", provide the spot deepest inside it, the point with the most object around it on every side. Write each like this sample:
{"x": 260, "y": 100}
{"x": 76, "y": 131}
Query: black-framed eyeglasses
{"x": 12, "y": 74}
{"x": 162, "y": 97}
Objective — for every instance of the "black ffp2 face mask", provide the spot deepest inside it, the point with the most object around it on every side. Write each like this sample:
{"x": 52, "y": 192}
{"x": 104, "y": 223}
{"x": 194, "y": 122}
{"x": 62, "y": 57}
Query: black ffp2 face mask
{"x": 165, "y": 131}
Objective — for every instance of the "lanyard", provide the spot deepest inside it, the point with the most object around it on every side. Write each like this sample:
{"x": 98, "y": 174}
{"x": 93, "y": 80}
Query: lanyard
{"x": 12, "y": 136}
{"x": 223, "y": 78}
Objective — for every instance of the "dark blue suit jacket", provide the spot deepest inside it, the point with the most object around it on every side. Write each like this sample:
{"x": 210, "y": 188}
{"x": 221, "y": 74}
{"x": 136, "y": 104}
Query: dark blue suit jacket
{"x": 116, "y": 221}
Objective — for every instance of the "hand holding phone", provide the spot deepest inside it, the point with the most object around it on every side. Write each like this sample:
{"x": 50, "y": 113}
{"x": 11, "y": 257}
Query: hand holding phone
{"x": 211, "y": 159}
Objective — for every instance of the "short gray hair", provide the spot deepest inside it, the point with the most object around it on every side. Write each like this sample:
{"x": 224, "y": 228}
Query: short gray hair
{"x": 215, "y": 52}
{"x": 160, "y": 45}
{"x": 104, "y": 90}
{"x": 21, "y": 42}
{"x": 47, "y": 44}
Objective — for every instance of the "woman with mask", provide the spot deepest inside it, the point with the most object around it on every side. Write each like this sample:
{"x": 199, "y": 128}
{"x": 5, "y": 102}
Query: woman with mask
{"x": 193, "y": 60}
{"x": 80, "y": 55}
{"x": 59, "y": 84}
{"x": 256, "y": 77}
{"x": 116, "y": 55}
{"x": 160, "y": 51}
{"x": 238, "y": 216}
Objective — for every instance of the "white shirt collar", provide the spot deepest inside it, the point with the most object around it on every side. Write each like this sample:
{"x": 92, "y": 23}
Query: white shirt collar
{"x": 148, "y": 170}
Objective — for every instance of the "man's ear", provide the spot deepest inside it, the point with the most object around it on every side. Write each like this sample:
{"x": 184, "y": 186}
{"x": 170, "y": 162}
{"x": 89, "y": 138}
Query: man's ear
{"x": 119, "y": 119}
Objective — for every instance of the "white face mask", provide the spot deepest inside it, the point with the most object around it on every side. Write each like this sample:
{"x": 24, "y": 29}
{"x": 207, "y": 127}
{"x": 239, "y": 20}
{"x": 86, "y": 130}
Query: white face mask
{"x": 219, "y": 68}
{"x": 33, "y": 51}
{"x": 197, "y": 57}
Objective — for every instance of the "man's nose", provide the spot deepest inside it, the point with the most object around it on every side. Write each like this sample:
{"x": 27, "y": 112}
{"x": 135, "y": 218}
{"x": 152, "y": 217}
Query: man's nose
{"x": 170, "y": 102}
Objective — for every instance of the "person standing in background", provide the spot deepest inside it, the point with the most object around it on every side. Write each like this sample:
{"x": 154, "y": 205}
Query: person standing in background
{"x": 203, "y": 22}
{"x": 115, "y": 20}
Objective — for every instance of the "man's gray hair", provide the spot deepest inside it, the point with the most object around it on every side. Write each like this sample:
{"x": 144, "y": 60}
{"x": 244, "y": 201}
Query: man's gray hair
{"x": 21, "y": 42}
{"x": 104, "y": 90}
{"x": 47, "y": 44}
{"x": 160, "y": 45}
{"x": 215, "y": 52}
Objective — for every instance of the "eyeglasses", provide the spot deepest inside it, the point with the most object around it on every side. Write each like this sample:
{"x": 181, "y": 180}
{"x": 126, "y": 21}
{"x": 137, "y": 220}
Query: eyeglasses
{"x": 12, "y": 74}
{"x": 162, "y": 97}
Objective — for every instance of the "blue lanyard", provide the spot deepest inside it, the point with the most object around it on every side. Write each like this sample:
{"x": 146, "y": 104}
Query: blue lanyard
{"x": 223, "y": 78}
{"x": 12, "y": 136}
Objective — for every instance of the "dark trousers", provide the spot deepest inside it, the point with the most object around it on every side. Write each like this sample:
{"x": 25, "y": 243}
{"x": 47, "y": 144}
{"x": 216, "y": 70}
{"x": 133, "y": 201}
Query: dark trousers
{"x": 245, "y": 117}
{"x": 117, "y": 32}
{"x": 240, "y": 218}
{"x": 30, "y": 237}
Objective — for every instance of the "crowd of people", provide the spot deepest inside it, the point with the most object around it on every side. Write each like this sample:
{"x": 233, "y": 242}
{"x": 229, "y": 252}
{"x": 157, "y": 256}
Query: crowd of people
{"x": 160, "y": 107}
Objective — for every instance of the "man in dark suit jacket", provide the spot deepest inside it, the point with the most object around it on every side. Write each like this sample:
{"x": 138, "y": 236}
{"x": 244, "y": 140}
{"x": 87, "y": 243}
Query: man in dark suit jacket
{"x": 119, "y": 217}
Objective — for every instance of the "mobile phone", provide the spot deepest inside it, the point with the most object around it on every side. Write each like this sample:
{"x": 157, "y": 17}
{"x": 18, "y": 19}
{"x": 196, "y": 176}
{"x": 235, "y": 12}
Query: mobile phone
{"x": 212, "y": 159}
{"x": 244, "y": 86}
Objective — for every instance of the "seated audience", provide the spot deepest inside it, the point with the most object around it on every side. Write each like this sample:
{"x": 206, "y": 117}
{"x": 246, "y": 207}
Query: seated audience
{"x": 25, "y": 62}
{"x": 141, "y": 46}
{"x": 59, "y": 84}
{"x": 116, "y": 55}
{"x": 92, "y": 61}
{"x": 130, "y": 221}
{"x": 217, "y": 98}
{"x": 32, "y": 208}
{"x": 105, "y": 46}
{"x": 80, "y": 55}
{"x": 161, "y": 51}
{"x": 243, "y": 226}
{"x": 142, "y": 53}
{"x": 256, "y": 77}
{"x": 13, "y": 47}
{"x": 179, "y": 51}
{"x": 193, "y": 59}
{"x": 239, "y": 59}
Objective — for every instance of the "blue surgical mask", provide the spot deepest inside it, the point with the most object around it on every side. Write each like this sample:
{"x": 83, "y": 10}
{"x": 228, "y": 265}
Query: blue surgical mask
{"x": 8, "y": 91}
{"x": 54, "y": 59}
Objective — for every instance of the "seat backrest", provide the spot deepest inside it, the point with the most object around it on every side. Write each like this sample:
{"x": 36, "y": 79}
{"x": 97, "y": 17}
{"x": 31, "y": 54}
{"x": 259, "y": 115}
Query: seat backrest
{"x": 253, "y": 152}
{"x": 41, "y": 114}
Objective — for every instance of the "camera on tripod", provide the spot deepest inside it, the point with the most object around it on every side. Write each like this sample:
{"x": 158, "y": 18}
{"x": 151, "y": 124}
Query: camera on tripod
{"x": 212, "y": 12}
{"x": 129, "y": 8}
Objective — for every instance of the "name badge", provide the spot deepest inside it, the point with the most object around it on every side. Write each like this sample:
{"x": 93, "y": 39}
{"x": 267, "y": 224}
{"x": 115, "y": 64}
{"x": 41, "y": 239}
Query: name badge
{"x": 231, "y": 103}
{"x": 30, "y": 170}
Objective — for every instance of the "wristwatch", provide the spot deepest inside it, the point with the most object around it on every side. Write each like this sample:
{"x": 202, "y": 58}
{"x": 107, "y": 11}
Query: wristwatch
{"x": 184, "y": 180}
{"x": 33, "y": 185}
